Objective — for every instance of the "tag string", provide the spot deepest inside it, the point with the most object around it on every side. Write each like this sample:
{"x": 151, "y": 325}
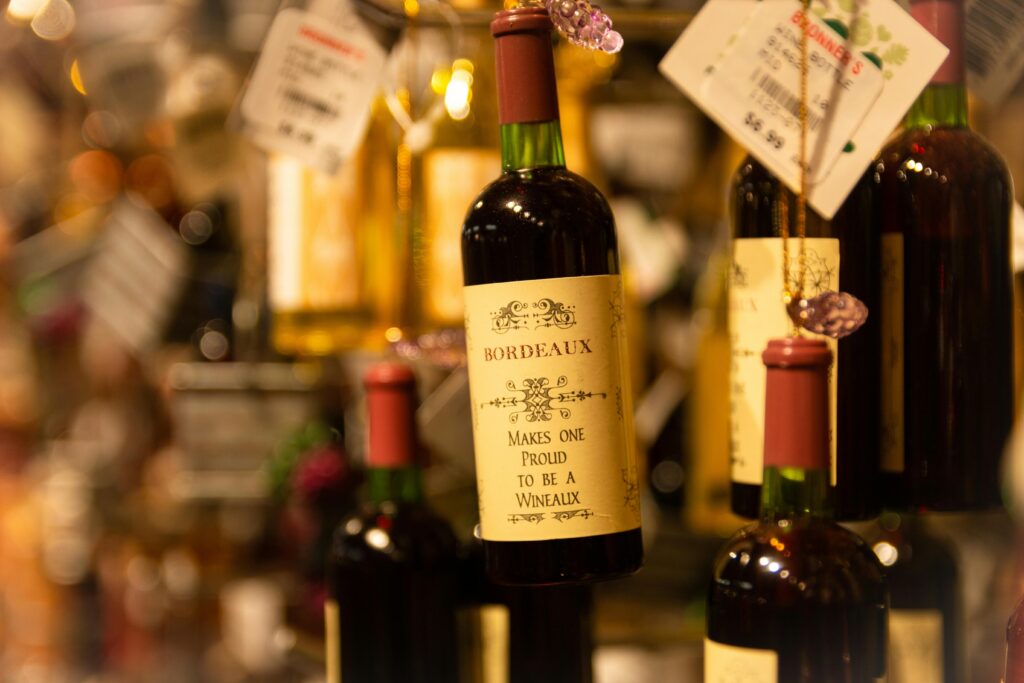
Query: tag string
{"x": 793, "y": 290}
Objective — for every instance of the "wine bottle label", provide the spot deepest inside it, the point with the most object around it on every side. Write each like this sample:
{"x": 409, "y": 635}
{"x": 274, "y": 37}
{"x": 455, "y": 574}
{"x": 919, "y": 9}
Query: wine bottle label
{"x": 756, "y": 314}
{"x": 915, "y": 646}
{"x": 552, "y": 411}
{"x": 312, "y": 237}
{"x": 891, "y": 424}
{"x": 484, "y": 632}
{"x": 332, "y": 640}
{"x": 451, "y": 180}
{"x": 728, "y": 663}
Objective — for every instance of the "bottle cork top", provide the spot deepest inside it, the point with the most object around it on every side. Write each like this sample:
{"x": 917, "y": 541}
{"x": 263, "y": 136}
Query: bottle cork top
{"x": 524, "y": 66}
{"x": 391, "y": 415}
{"x": 796, "y": 415}
{"x": 521, "y": 20}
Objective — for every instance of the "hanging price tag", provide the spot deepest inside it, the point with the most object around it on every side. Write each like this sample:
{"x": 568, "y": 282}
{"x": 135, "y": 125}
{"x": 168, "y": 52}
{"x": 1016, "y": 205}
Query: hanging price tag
{"x": 748, "y": 82}
{"x": 995, "y": 47}
{"x": 311, "y": 90}
{"x": 755, "y": 90}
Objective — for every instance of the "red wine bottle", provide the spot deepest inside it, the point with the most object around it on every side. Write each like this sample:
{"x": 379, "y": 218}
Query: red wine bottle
{"x": 842, "y": 254}
{"x": 925, "y": 635}
{"x": 552, "y": 416}
{"x": 795, "y": 598}
{"x": 391, "y": 574}
{"x": 947, "y": 295}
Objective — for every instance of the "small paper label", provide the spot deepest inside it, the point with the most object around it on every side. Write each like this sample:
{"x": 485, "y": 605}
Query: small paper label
{"x": 994, "y": 33}
{"x": 729, "y": 664}
{"x": 756, "y": 315}
{"x": 915, "y": 646}
{"x": 552, "y": 410}
{"x": 892, "y": 353}
{"x": 755, "y": 90}
{"x": 877, "y": 31}
{"x": 310, "y": 93}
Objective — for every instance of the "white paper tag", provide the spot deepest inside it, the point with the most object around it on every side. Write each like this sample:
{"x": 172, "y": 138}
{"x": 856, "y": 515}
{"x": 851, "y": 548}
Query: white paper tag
{"x": 311, "y": 90}
{"x": 908, "y": 53}
{"x": 755, "y": 90}
{"x": 995, "y": 47}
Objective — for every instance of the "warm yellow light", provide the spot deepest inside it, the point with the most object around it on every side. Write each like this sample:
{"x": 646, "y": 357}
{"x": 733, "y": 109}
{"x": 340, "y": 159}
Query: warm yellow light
{"x": 55, "y": 20}
{"x": 463, "y": 65}
{"x": 76, "y": 78}
{"x": 439, "y": 80}
{"x": 393, "y": 334}
{"x": 412, "y": 8}
{"x": 458, "y": 94}
{"x": 24, "y": 10}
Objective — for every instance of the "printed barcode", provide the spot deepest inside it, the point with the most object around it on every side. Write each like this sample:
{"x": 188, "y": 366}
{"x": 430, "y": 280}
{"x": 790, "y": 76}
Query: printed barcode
{"x": 304, "y": 100}
{"x": 783, "y": 96}
{"x": 990, "y": 26}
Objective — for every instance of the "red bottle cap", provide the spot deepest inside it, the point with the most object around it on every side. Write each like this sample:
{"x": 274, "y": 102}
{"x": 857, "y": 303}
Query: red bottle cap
{"x": 796, "y": 415}
{"x": 390, "y": 415}
{"x": 944, "y": 19}
{"x": 525, "y": 66}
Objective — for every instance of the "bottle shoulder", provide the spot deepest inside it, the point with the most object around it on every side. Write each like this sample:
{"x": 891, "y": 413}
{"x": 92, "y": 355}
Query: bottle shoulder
{"x": 402, "y": 534}
{"x": 814, "y": 561}
{"x": 947, "y": 155}
{"x": 541, "y": 197}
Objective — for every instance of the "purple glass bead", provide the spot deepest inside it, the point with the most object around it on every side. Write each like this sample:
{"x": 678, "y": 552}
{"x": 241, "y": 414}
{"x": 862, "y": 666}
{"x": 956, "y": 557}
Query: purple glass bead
{"x": 833, "y": 314}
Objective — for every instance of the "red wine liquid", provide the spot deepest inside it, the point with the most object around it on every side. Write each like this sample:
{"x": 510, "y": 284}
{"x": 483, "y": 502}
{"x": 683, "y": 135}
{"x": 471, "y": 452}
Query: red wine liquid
{"x": 950, "y": 196}
{"x": 528, "y": 225}
{"x": 755, "y": 195}
{"x": 392, "y": 571}
{"x": 811, "y": 591}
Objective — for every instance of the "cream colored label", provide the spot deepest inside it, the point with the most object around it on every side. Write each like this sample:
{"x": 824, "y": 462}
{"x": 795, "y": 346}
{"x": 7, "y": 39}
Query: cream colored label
{"x": 756, "y": 314}
{"x": 730, "y": 664}
{"x": 892, "y": 353}
{"x": 494, "y": 643}
{"x": 552, "y": 411}
{"x": 915, "y": 646}
{"x": 313, "y": 237}
{"x": 332, "y": 638}
{"x": 452, "y": 178}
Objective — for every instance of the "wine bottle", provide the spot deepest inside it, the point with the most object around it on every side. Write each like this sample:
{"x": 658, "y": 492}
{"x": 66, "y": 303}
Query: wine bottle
{"x": 552, "y": 415}
{"x": 842, "y": 254}
{"x": 924, "y": 616}
{"x": 391, "y": 578}
{"x": 527, "y": 633}
{"x": 946, "y": 295}
{"x": 1014, "y": 668}
{"x": 794, "y": 597}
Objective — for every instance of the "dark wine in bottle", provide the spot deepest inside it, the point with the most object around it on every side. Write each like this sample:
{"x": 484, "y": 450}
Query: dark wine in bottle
{"x": 795, "y": 598}
{"x": 947, "y": 295}
{"x": 552, "y": 414}
{"x": 391, "y": 576}
{"x": 842, "y": 254}
{"x": 925, "y": 636}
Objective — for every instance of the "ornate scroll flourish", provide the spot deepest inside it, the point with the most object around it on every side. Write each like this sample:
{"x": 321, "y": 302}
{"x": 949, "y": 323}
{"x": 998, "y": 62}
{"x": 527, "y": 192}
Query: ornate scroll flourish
{"x": 531, "y": 517}
{"x": 538, "y": 400}
{"x": 516, "y": 315}
{"x": 562, "y": 515}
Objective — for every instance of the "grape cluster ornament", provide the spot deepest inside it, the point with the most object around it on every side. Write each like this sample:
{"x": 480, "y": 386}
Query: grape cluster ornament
{"x": 833, "y": 314}
{"x": 582, "y": 24}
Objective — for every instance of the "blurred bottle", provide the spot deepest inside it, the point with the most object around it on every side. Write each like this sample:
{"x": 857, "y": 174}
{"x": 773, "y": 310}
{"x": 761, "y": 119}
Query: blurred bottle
{"x": 925, "y": 637}
{"x": 1015, "y": 647}
{"x": 329, "y": 244}
{"x": 390, "y": 614}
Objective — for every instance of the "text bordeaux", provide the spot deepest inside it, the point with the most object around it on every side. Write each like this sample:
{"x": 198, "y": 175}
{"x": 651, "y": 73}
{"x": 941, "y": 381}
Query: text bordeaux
{"x": 571, "y": 347}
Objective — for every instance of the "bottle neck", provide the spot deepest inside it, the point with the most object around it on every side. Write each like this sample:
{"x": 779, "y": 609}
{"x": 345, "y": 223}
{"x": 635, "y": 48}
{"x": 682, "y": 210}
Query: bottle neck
{"x": 395, "y": 485}
{"x": 940, "y": 105}
{"x": 531, "y": 145}
{"x": 795, "y": 492}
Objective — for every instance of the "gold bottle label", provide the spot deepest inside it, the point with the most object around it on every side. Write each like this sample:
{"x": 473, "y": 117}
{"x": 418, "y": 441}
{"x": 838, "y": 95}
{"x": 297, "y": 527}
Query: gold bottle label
{"x": 756, "y": 315}
{"x": 728, "y": 663}
{"x": 332, "y": 639}
{"x": 552, "y": 410}
{"x": 452, "y": 177}
{"x": 892, "y": 353}
{"x": 915, "y": 646}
